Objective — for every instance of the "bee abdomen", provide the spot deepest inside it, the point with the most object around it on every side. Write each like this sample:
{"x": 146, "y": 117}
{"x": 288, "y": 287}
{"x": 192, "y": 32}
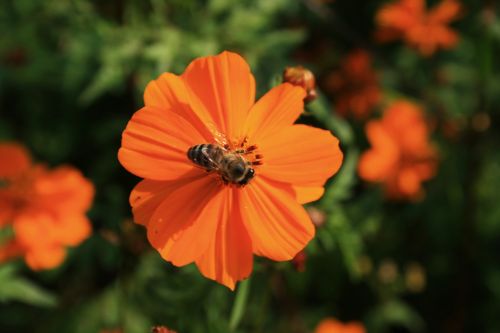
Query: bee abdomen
{"x": 205, "y": 155}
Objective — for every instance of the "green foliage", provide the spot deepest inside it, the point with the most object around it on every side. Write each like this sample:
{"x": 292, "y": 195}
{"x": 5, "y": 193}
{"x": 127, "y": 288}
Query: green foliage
{"x": 73, "y": 72}
{"x": 14, "y": 287}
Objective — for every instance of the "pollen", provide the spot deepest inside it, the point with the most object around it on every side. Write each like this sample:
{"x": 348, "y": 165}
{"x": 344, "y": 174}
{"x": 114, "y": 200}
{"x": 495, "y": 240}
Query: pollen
{"x": 250, "y": 153}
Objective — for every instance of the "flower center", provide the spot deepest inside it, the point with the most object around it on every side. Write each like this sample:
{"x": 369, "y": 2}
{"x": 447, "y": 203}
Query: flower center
{"x": 235, "y": 164}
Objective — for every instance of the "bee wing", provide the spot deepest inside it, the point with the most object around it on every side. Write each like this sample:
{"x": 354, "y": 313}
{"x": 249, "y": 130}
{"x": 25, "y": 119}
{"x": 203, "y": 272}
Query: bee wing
{"x": 213, "y": 164}
{"x": 219, "y": 137}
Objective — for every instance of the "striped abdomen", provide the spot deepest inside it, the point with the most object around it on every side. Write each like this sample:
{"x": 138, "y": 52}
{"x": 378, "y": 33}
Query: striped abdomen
{"x": 207, "y": 155}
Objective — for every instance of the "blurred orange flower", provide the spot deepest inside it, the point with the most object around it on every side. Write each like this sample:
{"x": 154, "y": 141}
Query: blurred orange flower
{"x": 425, "y": 30}
{"x": 332, "y": 325}
{"x": 401, "y": 156}
{"x": 355, "y": 85}
{"x": 46, "y": 208}
{"x": 198, "y": 211}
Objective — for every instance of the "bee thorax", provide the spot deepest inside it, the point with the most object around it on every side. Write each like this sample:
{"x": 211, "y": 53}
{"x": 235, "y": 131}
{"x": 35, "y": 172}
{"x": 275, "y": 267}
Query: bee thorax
{"x": 233, "y": 166}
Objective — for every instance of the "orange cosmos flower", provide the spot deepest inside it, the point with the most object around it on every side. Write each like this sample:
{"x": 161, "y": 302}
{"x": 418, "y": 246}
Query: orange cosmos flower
{"x": 425, "y": 30}
{"x": 332, "y": 325}
{"x": 224, "y": 176}
{"x": 355, "y": 85}
{"x": 46, "y": 208}
{"x": 401, "y": 156}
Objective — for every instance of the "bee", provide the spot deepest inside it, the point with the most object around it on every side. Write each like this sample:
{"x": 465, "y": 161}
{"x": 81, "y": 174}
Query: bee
{"x": 232, "y": 166}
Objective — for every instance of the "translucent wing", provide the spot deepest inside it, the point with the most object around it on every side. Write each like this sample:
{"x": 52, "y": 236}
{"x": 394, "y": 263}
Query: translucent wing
{"x": 212, "y": 164}
{"x": 219, "y": 137}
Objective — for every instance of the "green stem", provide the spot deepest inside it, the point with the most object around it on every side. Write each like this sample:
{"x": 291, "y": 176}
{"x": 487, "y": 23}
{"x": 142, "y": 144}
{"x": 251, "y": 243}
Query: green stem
{"x": 239, "y": 306}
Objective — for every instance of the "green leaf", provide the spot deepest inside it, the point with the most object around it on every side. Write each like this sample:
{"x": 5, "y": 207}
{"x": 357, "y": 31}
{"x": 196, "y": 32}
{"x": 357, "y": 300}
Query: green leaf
{"x": 341, "y": 187}
{"x": 395, "y": 312}
{"x": 348, "y": 239}
{"x": 16, "y": 288}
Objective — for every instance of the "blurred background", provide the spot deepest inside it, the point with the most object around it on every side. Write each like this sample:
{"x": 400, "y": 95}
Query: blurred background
{"x": 73, "y": 72}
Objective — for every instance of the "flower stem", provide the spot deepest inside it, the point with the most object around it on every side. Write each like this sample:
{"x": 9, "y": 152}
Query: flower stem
{"x": 240, "y": 302}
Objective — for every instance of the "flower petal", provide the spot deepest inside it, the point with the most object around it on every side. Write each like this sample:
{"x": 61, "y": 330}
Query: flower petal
{"x": 169, "y": 93}
{"x": 379, "y": 162}
{"x": 14, "y": 160}
{"x": 180, "y": 228}
{"x": 34, "y": 227}
{"x": 36, "y": 234}
{"x": 64, "y": 190}
{"x": 229, "y": 257}
{"x": 155, "y": 143}
{"x": 278, "y": 226}
{"x": 444, "y": 12}
{"x": 45, "y": 257}
{"x": 192, "y": 242}
{"x": 280, "y": 107}
{"x": 380, "y": 137}
{"x": 375, "y": 166}
{"x": 10, "y": 249}
{"x": 72, "y": 229}
{"x": 300, "y": 155}
{"x": 7, "y": 210}
{"x": 147, "y": 195}
{"x": 408, "y": 182}
{"x": 223, "y": 87}
{"x": 305, "y": 195}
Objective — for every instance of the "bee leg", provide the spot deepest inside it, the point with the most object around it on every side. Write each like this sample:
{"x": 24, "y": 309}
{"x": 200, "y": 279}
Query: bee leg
{"x": 224, "y": 180}
{"x": 257, "y": 163}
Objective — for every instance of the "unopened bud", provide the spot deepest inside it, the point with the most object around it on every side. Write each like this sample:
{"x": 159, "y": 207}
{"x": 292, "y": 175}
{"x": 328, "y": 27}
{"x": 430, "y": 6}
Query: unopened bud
{"x": 161, "y": 329}
{"x": 302, "y": 77}
{"x": 481, "y": 122}
{"x": 299, "y": 261}
{"x": 415, "y": 278}
{"x": 317, "y": 216}
{"x": 387, "y": 271}
{"x": 365, "y": 265}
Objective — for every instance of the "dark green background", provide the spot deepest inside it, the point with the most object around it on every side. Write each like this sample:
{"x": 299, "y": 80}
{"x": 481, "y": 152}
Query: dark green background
{"x": 73, "y": 72}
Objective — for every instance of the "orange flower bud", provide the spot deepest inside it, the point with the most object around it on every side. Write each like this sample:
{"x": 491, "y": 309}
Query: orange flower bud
{"x": 332, "y": 325}
{"x": 302, "y": 77}
{"x": 161, "y": 329}
{"x": 415, "y": 277}
{"x": 387, "y": 271}
{"x": 317, "y": 216}
{"x": 299, "y": 261}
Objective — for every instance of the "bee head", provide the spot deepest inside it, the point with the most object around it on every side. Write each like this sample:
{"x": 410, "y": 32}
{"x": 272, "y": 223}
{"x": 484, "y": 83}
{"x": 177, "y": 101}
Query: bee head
{"x": 247, "y": 177}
